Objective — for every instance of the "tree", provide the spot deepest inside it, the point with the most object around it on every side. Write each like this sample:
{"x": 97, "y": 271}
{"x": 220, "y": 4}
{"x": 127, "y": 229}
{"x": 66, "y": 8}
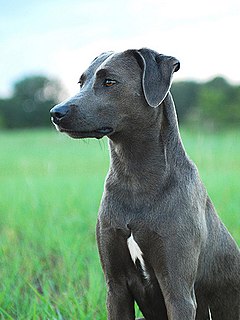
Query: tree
{"x": 31, "y": 101}
{"x": 219, "y": 102}
{"x": 185, "y": 94}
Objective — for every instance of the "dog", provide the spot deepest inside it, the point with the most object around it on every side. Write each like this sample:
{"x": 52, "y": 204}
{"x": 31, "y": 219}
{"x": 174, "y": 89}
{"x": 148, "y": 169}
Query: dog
{"x": 160, "y": 241}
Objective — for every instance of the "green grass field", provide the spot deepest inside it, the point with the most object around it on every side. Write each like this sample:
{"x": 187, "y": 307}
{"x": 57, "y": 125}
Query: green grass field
{"x": 50, "y": 191}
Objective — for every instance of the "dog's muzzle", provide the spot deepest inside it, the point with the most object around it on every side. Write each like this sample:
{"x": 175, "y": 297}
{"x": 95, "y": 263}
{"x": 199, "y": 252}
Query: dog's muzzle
{"x": 60, "y": 113}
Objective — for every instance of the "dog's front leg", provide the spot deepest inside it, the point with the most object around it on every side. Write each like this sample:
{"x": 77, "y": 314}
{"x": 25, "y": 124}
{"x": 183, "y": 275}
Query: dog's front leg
{"x": 183, "y": 308}
{"x": 116, "y": 260}
{"x": 180, "y": 300}
{"x": 120, "y": 304}
{"x": 176, "y": 275}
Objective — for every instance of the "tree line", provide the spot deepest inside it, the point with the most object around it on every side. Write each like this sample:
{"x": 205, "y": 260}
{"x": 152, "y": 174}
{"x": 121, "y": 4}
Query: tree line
{"x": 214, "y": 104}
{"x": 31, "y": 100}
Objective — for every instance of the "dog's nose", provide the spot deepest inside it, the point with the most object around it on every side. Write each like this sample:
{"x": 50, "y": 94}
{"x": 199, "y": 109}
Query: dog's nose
{"x": 59, "y": 111}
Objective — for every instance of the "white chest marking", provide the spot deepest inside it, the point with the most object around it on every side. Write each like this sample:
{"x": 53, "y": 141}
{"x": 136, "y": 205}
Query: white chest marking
{"x": 136, "y": 253}
{"x": 210, "y": 314}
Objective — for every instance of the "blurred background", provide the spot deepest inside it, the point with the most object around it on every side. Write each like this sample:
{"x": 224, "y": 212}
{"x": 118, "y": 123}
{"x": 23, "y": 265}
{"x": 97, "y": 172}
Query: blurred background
{"x": 51, "y": 185}
{"x": 45, "y": 46}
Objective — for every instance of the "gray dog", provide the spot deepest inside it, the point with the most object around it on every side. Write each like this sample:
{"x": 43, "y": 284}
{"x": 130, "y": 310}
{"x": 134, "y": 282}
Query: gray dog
{"x": 160, "y": 240}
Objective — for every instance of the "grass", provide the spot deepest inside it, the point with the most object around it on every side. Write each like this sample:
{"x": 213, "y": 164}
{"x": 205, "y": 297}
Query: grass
{"x": 50, "y": 191}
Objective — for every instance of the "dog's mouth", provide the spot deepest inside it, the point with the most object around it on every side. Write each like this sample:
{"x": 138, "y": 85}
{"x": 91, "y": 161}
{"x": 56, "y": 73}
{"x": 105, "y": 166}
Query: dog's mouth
{"x": 99, "y": 133}
{"x": 77, "y": 134}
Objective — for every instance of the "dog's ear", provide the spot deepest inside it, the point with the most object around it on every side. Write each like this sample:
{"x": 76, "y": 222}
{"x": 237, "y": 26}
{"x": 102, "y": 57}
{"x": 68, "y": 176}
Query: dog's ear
{"x": 157, "y": 74}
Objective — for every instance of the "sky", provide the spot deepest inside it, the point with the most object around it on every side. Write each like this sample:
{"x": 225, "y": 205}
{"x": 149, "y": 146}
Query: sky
{"x": 60, "y": 38}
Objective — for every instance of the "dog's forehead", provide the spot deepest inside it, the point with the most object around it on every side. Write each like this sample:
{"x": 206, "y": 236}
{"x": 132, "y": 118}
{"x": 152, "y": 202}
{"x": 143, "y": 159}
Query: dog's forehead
{"x": 94, "y": 65}
{"x": 120, "y": 62}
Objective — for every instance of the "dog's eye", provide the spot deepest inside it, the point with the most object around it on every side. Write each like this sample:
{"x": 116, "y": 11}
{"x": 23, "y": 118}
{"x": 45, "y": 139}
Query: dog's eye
{"x": 109, "y": 82}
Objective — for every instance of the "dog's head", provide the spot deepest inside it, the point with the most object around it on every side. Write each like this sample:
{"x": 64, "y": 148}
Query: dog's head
{"x": 115, "y": 94}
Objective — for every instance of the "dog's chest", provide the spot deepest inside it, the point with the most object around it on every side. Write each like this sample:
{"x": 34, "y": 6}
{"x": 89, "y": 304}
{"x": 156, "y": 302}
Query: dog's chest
{"x": 127, "y": 250}
{"x": 127, "y": 236}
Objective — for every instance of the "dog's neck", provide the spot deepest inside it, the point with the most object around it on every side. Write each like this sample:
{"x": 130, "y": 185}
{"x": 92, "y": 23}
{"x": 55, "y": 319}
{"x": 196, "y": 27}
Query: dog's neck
{"x": 155, "y": 152}
{"x": 171, "y": 135}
